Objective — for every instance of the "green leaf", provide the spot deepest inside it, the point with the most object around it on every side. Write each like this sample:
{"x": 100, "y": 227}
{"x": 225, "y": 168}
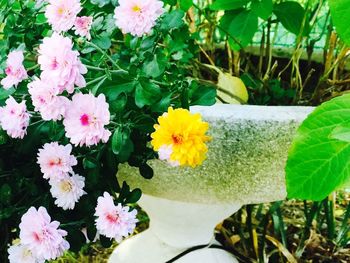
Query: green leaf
{"x": 76, "y": 239}
{"x": 4, "y": 94}
{"x": 155, "y": 67}
{"x": 146, "y": 93}
{"x": 172, "y": 20}
{"x": 186, "y": 4}
{"x": 100, "y": 3}
{"x": 163, "y": 104}
{"x": 106, "y": 242}
{"x": 146, "y": 171}
{"x": 3, "y": 137}
{"x": 342, "y": 133}
{"x": 317, "y": 163}
{"x": 112, "y": 91}
{"x": 228, "y": 4}
{"x": 243, "y": 28}
{"x": 5, "y": 193}
{"x": 144, "y": 123}
{"x": 170, "y": 2}
{"x": 119, "y": 104}
{"x": 262, "y": 8}
{"x": 40, "y": 19}
{"x": 103, "y": 41}
{"x": 203, "y": 95}
{"x": 340, "y": 11}
{"x": 89, "y": 163}
{"x": 134, "y": 196}
{"x": 122, "y": 146}
{"x": 291, "y": 14}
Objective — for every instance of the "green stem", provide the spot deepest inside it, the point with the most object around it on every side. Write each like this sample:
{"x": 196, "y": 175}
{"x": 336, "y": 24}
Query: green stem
{"x": 95, "y": 68}
{"x": 95, "y": 80}
{"x": 32, "y": 68}
{"x": 105, "y": 54}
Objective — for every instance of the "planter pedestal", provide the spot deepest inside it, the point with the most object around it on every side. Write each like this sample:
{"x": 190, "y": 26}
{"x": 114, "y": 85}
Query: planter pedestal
{"x": 245, "y": 165}
{"x": 174, "y": 227}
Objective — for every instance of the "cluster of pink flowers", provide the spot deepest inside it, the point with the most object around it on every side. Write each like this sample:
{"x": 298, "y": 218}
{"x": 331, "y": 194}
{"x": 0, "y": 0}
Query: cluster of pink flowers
{"x": 62, "y": 15}
{"x": 15, "y": 71}
{"x": 84, "y": 116}
{"x": 138, "y": 17}
{"x": 56, "y": 164}
{"x": 114, "y": 221}
{"x": 14, "y": 118}
{"x": 41, "y": 239}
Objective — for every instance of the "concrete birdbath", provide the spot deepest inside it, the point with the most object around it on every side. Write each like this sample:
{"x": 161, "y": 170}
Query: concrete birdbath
{"x": 245, "y": 165}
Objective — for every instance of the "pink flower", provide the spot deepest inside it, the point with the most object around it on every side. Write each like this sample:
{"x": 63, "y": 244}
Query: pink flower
{"x": 114, "y": 221}
{"x": 61, "y": 14}
{"x": 137, "y": 17}
{"x": 60, "y": 63}
{"x": 41, "y": 236}
{"x": 67, "y": 190}
{"x": 85, "y": 119}
{"x": 56, "y": 160}
{"x": 15, "y": 70}
{"x": 45, "y": 100}
{"x": 21, "y": 253}
{"x": 14, "y": 118}
{"x": 82, "y": 26}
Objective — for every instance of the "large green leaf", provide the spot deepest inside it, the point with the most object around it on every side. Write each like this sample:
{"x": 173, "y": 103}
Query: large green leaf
{"x": 228, "y": 4}
{"x": 291, "y": 14}
{"x": 340, "y": 10}
{"x": 263, "y": 8}
{"x": 318, "y": 163}
{"x": 242, "y": 28}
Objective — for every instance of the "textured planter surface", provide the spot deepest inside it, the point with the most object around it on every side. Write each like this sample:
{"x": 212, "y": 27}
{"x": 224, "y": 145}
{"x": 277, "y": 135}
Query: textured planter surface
{"x": 245, "y": 164}
{"x": 246, "y": 158}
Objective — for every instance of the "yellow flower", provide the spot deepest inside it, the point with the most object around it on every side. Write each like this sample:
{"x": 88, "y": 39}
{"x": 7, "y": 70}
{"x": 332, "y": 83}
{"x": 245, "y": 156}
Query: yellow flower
{"x": 184, "y": 133}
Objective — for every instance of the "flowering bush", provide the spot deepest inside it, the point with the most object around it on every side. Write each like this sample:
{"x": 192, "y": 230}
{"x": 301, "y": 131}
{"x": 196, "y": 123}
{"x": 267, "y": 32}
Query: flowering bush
{"x": 81, "y": 91}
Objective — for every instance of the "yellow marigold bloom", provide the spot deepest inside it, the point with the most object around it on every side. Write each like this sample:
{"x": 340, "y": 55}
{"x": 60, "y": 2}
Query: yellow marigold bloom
{"x": 180, "y": 137}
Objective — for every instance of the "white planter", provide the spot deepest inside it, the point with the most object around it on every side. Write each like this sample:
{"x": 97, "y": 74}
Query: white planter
{"x": 245, "y": 165}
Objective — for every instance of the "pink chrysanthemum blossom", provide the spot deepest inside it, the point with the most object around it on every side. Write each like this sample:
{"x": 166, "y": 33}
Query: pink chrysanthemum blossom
{"x": 56, "y": 160}
{"x": 85, "y": 119}
{"x": 45, "y": 100}
{"x": 15, "y": 71}
{"x": 21, "y": 253}
{"x": 114, "y": 221}
{"x": 82, "y": 26}
{"x": 61, "y": 14}
{"x": 41, "y": 236}
{"x": 164, "y": 154}
{"x": 137, "y": 17}
{"x": 14, "y": 118}
{"x": 60, "y": 63}
{"x": 67, "y": 190}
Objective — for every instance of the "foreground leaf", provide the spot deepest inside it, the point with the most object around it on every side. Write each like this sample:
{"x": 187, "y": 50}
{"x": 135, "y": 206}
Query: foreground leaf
{"x": 318, "y": 163}
{"x": 340, "y": 10}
